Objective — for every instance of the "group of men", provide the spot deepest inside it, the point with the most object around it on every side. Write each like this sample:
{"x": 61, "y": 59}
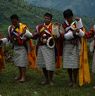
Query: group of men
{"x": 55, "y": 40}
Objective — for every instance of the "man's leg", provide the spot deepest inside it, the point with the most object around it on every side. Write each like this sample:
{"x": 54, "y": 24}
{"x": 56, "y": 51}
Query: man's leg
{"x": 75, "y": 74}
{"x": 70, "y": 77}
{"x": 45, "y": 72}
{"x": 51, "y": 73}
{"x": 19, "y": 76}
{"x": 23, "y": 74}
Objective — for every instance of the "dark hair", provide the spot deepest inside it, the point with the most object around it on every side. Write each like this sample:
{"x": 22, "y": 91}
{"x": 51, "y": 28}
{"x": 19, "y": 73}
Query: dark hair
{"x": 14, "y": 16}
{"x": 48, "y": 15}
{"x": 68, "y": 13}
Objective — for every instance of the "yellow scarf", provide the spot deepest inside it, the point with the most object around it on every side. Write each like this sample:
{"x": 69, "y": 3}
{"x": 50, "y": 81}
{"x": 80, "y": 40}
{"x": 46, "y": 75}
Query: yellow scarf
{"x": 21, "y": 28}
{"x": 32, "y": 52}
{"x": 45, "y": 26}
{"x": 84, "y": 73}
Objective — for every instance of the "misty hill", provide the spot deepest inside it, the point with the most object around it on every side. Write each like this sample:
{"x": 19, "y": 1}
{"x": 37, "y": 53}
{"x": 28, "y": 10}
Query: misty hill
{"x": 29, "y": 14}
{"x": 80, "y": 7}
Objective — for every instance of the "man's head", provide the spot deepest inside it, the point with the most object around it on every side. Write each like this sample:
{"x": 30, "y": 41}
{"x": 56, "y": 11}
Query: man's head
{"x": 68, "y": 15}
{"x": 48, "y": 18}
{"x": 14, "y": 19}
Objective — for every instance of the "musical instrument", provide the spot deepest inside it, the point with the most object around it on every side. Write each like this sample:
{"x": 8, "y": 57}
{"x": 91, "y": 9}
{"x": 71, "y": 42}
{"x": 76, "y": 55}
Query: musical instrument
{"x": 47, "y": 38}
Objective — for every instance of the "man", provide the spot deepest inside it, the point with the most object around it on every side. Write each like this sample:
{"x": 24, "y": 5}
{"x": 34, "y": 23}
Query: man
{"x": 46, "y": 34}
{"x": 91, "y": 34}
{"x": 73, "y": 31}
{"x": 18, "y": 35}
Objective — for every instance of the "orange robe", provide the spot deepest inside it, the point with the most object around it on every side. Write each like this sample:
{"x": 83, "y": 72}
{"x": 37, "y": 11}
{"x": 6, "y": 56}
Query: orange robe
{"x": 32, "y": 56}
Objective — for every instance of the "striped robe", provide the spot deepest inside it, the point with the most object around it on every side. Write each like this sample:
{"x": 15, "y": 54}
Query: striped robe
{"x": 46, "y": 58}
{"x": 20, "y": 56}
{"x": 70, "y": 55}
{"x": 46, "y": 55}
{"x": 70, "y": 50}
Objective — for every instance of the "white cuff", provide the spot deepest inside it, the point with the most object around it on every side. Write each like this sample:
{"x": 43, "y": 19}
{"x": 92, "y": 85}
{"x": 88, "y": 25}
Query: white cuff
{"x": 4, "y": 40}
{"x": 81, "y": 33}
{"x": 79, "y": 24}
{"x": 94, "y": 27}
{"x": 68, "y": 35}
{"x": 28, "y": 34}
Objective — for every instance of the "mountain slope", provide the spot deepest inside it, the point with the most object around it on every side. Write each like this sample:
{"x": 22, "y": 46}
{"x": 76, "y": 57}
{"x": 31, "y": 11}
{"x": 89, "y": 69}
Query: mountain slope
{"x": 29, "y": 14}
{"x": 80, "y": 7}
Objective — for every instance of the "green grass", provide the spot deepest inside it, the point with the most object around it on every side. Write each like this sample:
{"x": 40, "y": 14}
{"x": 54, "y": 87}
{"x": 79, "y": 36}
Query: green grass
{"x": 9, "y": 87}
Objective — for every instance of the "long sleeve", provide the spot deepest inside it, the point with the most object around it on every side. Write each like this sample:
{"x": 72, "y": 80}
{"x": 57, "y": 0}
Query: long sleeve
{"x": 81, "y": 33}
{"x": 68, "y": 35}
{"x": 79, "y": 26}
{"x": 27, "y": 34}
{"x": 4, "y": 40}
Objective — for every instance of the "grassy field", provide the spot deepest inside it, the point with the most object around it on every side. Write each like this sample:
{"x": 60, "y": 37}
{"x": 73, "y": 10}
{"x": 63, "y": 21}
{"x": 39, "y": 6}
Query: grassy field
{"x": 9, "y": 87}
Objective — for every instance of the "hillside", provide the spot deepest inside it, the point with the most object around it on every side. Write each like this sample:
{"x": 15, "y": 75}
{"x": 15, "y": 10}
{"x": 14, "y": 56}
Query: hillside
{"x": 29, "y": 14}
{"x": 80, "y": 7}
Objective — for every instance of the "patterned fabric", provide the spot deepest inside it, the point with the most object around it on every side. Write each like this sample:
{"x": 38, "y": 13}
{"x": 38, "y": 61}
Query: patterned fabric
{"x": 71, "y": 44}
{"x": 46, "y": 58}
{"x": 20, "y": 56}
{"x": 70, "y": 56}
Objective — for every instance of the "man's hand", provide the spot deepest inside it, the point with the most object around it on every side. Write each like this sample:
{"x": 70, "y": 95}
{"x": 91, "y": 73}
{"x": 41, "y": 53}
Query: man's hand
{"x": 77, "y": 18}
{"x": 77, "y": 30}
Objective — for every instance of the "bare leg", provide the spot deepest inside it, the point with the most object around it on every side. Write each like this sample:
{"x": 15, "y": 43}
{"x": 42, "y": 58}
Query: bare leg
{"x": 19, "y": 76}
{"x": 23, "y": 74}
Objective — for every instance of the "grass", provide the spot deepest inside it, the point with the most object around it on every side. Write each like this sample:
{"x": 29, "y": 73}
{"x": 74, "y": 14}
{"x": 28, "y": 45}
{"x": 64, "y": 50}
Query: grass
{"x": 9, "y": 87}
